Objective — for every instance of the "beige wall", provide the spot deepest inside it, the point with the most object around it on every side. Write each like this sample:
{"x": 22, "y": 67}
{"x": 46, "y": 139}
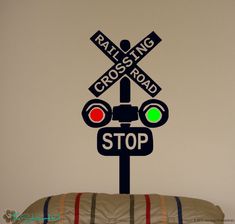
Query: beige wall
{"x": 47, "y": 63}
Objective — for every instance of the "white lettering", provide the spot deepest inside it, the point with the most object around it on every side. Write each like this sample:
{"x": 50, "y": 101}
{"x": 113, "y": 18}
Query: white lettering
{"x": 141, "y": 49}
{"x": 152, "y": 88}
{"x": 119, "y": 135}
{"x": 115, "y": 55}
{"x": 133, "y": 54}
{"x": 142, "y": 138}
{"x": 146, "y": 84}
{"x": 106, "y": 80}
{"x": 127, "y": 60}
{"x": 148, "y": 44}
{"x": 99, "y": 39}
{"x": 134, "y": 72}
{"x": 140, "y": 78}
{"x": 111, "y": 50}
{"x": 96, "y": 87}
{"x": 121, "y": 68}
{"x": 115, "y": 74}
{"x": 128, "y": 146}
{"x": 105, "y": 45}
{"x": 108, "y": 141}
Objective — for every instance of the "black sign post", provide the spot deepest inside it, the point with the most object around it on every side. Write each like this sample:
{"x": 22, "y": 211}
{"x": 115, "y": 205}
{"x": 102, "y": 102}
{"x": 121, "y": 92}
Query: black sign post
{"x": 125, "y": 141}
{"x": 124, "y": 159}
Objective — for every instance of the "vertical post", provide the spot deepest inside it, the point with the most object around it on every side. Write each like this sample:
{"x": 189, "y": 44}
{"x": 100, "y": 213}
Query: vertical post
{"x": 124, "y": 159}
{"x": 124, "y": 174}
{"x": 125, "y": 90}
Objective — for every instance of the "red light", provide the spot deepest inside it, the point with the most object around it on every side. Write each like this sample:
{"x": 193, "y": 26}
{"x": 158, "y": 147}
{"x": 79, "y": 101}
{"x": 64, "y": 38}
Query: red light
{"x": 96, "y": 115}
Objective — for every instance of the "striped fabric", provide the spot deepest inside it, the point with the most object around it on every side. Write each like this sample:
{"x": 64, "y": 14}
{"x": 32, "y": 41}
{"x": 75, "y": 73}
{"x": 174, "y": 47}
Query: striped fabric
{"x": 132, "y": 209}
{"x": 148, "y": 207}
{"x": 93, "y": 208}
{"x": 62, "y": 205}
{"x": 45, "y": 210}
{"x": 163, "y": 209}
{"x": 179, "y": 208}
{"x": 76, "y": 208}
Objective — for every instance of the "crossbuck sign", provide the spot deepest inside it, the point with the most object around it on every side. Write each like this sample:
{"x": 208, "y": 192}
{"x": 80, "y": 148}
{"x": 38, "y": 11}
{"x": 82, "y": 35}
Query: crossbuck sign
{"x": 125, "y": 63}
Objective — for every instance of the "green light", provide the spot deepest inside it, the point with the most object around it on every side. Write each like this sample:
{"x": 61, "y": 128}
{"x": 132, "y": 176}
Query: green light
{"x": 153, "y": 115}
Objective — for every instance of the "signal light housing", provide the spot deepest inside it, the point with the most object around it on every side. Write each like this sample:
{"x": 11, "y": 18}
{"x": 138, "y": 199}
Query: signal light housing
{"x": 125, "y": 113}
{"x": 97, "y": 113}
{"x": 153, "y": 113}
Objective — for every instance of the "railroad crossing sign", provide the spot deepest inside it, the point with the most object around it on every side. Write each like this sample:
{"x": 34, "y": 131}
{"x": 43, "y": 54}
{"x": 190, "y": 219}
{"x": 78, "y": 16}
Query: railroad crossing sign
{"x": 125, "y": 141}
{"x": 125, "y": 60}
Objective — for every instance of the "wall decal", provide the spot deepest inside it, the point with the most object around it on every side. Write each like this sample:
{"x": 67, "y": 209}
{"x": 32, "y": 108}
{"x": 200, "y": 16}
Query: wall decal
{"x": 125, "y": 141}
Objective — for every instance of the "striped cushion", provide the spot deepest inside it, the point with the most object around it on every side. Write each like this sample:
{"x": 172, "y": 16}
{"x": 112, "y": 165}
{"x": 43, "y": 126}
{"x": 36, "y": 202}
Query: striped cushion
{"x": 93, "y": 208}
